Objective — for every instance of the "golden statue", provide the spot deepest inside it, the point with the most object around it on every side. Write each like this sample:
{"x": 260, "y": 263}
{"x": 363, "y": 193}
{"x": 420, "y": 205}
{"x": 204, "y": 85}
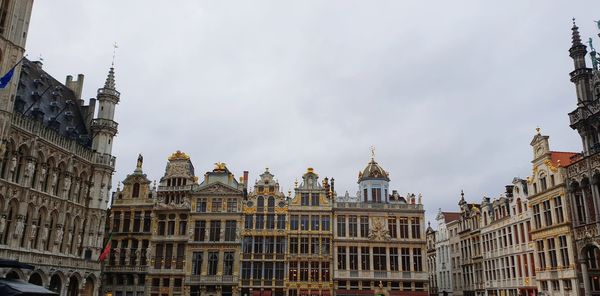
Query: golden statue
{"x": 220, "y": 166}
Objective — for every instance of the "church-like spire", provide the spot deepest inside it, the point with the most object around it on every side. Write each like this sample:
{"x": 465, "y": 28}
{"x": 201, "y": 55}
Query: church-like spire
{"x": 576, "y": 38}
{"x": 110, "y": 79}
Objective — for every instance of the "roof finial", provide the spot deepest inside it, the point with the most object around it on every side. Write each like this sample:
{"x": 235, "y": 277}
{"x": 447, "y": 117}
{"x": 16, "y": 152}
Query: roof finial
{"x": 372, "y": 152}
{"x": 115, "y": 46}
{"x": 462, "y": 195}
{"x": 538, "y": 130}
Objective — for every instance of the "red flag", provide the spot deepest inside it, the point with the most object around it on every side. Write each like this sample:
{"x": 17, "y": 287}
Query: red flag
{"x": 106, "y": 249}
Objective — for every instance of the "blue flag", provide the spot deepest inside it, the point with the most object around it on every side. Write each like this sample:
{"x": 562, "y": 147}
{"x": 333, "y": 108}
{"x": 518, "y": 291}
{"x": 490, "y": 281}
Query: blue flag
{"x": 6, "y": 78}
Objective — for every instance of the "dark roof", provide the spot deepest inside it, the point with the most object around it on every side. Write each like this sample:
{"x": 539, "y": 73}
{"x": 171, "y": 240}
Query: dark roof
{"x": 10, "y": 287}
{"x": 373, "y": 171}
{"x": 42, "y": 98}
{"x": 4, "y": 263}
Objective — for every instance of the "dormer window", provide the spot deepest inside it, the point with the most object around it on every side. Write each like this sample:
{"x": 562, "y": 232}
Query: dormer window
{"x": 136, "y": 190}
{"x": 543, "y": 183}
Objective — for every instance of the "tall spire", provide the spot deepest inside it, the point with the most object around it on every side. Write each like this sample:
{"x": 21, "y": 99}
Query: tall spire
{"x": 576, "y": 38}
{"x": 110, "y": 79}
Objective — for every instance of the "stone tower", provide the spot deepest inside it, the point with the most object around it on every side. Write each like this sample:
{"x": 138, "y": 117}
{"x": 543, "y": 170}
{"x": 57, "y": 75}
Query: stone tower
{"x": 14, "y": 24}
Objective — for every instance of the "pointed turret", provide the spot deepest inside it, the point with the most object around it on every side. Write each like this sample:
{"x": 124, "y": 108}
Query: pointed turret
{"x": 581, "y": 75}
{"x": 104, "y": 125}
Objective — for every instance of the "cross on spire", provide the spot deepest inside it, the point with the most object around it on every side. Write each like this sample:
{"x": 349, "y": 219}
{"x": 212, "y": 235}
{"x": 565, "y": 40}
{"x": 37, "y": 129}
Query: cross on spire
{"x": 372, "y": 152}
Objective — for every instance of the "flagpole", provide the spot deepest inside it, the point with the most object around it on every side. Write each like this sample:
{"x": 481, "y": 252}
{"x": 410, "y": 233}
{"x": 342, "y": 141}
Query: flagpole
{"x": 22, "y": 58}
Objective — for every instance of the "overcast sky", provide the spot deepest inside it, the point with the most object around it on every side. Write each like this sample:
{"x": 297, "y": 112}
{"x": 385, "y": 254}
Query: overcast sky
{"x": 449, "y": 92}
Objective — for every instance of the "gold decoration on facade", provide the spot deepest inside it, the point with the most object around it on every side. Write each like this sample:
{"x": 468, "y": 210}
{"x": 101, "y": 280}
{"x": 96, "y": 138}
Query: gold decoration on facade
{"x": 220, "y": 166}
{"x": 178, "y": 155}
{"x": 551, "y": 166}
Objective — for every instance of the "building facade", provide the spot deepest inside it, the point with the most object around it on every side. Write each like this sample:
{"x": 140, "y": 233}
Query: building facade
{"x": 131, "y": 232}
{"x": 471, "y": 261}
{"x": 310, "y": 238}
{"x": 264, "y": 239}
{"x": 379, "y": 240}
{"x": 583, "y": 177}
{"x": 506, "y": 244}
{"x": 431, "y": 259}
{"x": 446, "y": 225}
{"x": 552, "y": 235}
{"x": 56, "y": 166}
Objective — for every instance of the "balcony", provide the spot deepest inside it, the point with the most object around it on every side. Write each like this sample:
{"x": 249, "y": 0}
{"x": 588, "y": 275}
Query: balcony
{"x": 212, "y": 279}
{"x": 378, "y": 206}
{"x": 107, "y": 124}
{"x": 135, "y": 269}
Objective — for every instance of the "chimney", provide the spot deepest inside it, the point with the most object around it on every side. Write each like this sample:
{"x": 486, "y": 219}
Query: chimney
{"x": 246, "y": 179}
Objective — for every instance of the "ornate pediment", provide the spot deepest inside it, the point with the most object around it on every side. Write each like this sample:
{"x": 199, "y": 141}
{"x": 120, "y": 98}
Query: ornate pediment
{"x": 219, "y": 189}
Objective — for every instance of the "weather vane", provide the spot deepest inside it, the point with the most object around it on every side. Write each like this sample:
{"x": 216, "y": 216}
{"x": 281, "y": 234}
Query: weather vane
{"x": 373, "y": 152}
{"x": 115, "y": 46}
{"x": 41, "y": 59}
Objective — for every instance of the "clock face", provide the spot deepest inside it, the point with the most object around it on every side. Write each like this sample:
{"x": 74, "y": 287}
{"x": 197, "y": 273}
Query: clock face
{"x": 249, "y": 203}
{"x": 281, "y": 204}
{"x": 538, "y": 151}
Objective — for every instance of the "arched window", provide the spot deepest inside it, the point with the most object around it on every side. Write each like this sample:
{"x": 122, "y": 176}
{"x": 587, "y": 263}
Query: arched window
{"x": 136, "y": 190}
{"x": 519, "y": 206}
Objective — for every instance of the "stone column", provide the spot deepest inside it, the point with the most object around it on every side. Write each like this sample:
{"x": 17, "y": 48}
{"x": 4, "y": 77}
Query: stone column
{"x": 585, "y": 206}
{"x": 586, "y": 278}
{"x": 595, "y": 198}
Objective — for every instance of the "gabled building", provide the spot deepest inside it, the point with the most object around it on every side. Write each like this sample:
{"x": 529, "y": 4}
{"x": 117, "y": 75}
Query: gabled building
{"x": 379, "y": 239}
{"x": 447, "y": 223}
{"x": 310, "y": 238}
{"x": 130, "y": 221}
{"x": 431, "y": 259}
{"x": 551, "y": 230}
{"x": 471, "y": 262}
{"x": 264, "y": 239}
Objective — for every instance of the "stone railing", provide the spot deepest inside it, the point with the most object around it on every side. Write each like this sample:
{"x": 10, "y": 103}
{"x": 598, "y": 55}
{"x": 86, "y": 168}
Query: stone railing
{"x": 369, "y": 274}
{"x": 216, "y": 279}
{"x": 125, "y": 268}
{"x": 582, "y": 113}
{"x": 175, "y": 188}
{"x": 377, "y": 206}
{"x": 49, "y": 259}
{"x": 50, "y": 135}
{"x": 100, "y": 123}
{"x": 108, "y": 91}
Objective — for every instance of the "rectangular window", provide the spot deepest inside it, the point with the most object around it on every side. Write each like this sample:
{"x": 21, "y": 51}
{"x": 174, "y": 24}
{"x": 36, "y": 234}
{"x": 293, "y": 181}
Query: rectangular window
{"x": 365, "y": 260}
{"x": 314, "y": 201}
{"x": 376, "y": 194}
{"x": 341, "y": 226}
{"x": 279, "y": 270}
{"x": 199, "y": 231}
{"x": 393, "y": 231}
{"x": 280, "y": 245}
{"x": 325, "y": 246}
{"x": 314, "y": 271}
{"x": 580, "y": 208}
{"x": 314, "y": 245}
{"x": 558, "y": 210}
{"x": 353, "y": 257}
{"x": 168, "y": 255}
{"x": 304, "y": 199}
{"x": 231, "y": 205}
{"x": 403, "y": 227}
{"x": 171, "y": 227}
{"x": 304, "y": 271}
{"x": 217, "y": 205}
{"x": 246, "y": 270}
{"x": 394, "y": 259}
{"x": 269, "y": 245}
{"x": 352, "y": 226}
{"x": 293, "y": 272}
{"x": 541, "y": 256}
{"x": 405, "y": 259}
{"x": 126, "y": 221}
{"x": 147, "y": 221}
{"x": 304, "y": 222}
{"x": 281, "y": 222}
{"x": 294, "y": 222}
{"x": 230, "y": 230}
{"x": 304, "y": 245}
{"x": 137, "y": 218}
{"x": 268, "y": 271}
{"x": 379, "y": 259}
{"x": 325, "y": 271}
{"x": 183, "y": 227}
{"x": 117, "y": 222}
{"x": 248, "y": 222}
{"x": 201, "y": 205}
{"x": 258, "y": 244}
{"x": 364, "y": 226}
{"x": 293, "y": 245}
{"x": 257, "y": 271}
{"x": 314, "y": 222}
{"x": 325, "y": 223}
{"x": 564, "y": 250}
{"x": 270, "y": 221}
{"x": 341, "y": 258}
{"x": 196, "y": 263}
{"x": 552, "y": 253}
{"x": 215, "y": 231}
{"x": 260, "y": 221}
{"x": 417, "y": 260}
{"x": 547, "y": 213}
{"x": 416, "y": 227}
{"x": 537, "y": 219}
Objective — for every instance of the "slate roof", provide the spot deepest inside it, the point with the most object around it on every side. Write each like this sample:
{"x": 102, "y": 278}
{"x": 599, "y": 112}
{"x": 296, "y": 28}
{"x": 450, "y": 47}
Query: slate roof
{"x": 43, "y": 98}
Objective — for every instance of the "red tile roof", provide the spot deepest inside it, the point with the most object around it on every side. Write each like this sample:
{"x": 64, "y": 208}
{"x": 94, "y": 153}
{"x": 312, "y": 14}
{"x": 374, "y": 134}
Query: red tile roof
{"x": 450, "y": 216}
{"x": 563, "y": 159}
